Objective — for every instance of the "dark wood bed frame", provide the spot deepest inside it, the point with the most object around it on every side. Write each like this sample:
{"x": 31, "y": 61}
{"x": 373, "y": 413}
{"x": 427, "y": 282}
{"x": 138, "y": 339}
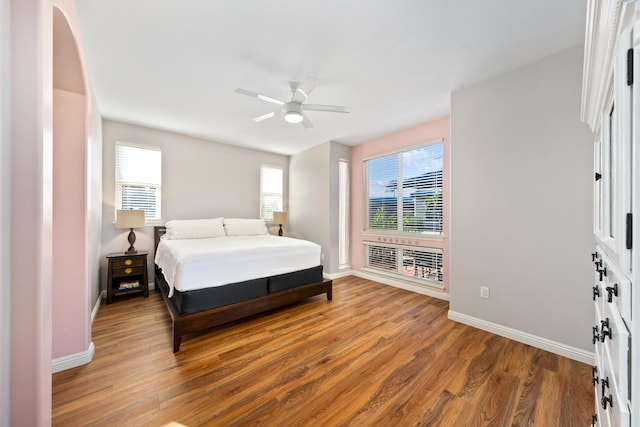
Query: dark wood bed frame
{"x": 186, "y": 324}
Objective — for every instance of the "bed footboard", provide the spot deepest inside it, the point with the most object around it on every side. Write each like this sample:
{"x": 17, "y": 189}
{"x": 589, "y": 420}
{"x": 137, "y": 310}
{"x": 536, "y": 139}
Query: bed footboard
{"x": 186, "y": 324}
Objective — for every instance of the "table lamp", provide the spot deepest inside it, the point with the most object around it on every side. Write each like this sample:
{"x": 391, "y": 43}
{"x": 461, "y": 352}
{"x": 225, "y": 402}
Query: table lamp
{"x": 133, "y": 218}
{"x": 280, "y": 218}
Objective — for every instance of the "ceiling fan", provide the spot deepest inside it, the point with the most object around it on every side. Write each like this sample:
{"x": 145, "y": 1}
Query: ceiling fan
{"x": 294, "y": 109}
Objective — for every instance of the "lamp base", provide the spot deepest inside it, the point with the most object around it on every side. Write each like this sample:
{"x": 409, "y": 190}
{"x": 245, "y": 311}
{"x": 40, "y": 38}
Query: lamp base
{"x": 132, "y": 239}
{"x": 280, "y": 230}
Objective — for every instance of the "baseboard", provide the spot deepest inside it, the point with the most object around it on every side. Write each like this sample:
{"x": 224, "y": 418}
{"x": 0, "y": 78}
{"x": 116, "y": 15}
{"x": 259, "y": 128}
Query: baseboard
{"x": 96, "y": 306}
{"x": 84, "y": 357}
{"x": 523, "y": 337}
{"x": 400, "y": 284}
{"x": 73, "y": 360}
{"x": 337, "y": 275}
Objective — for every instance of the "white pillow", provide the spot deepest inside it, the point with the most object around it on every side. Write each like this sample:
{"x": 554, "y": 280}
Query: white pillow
{"x": 244, "y": 227}
{"x": 194, "y": 228}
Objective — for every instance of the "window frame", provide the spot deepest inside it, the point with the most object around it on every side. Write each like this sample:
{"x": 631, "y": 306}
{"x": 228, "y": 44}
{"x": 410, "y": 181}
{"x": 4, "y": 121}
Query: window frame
{"x": 344, "y": 214}
{"x": 425, "y": 235}
{"x": 398, "y": 272}
{"x": 157, "y": 219}
{"x": 262, "y": 193}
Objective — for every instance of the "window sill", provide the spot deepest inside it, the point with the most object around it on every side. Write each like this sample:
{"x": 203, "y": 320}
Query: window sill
{"x": 151, "y": 223}
{"x": 408, "y": 238}
{"x": 429, "y": 284}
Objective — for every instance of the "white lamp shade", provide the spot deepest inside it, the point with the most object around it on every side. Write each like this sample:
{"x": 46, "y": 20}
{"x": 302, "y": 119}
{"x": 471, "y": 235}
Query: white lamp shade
{"x": 133, "y": 218}
{"x": 280, "y": 218}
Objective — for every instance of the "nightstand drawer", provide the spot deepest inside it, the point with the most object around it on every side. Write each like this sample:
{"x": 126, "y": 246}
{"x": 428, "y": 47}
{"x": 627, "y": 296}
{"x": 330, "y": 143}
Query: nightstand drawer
{"x": 128, "y": 262}
{"x": 127, "y": 271}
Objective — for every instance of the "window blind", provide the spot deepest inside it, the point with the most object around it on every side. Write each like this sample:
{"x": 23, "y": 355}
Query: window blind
{"x": 383, "y": 198}
{"x": 422, "y": 264}
{"x": 271, "y": 191}
{"x": 138, "y": 179}
{"x": 405, "y": 190}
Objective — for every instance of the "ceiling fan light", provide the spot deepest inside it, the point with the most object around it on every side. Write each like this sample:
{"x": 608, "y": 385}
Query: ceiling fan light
{"x": 293, "y": 117}
{"x": 293, "y": 112}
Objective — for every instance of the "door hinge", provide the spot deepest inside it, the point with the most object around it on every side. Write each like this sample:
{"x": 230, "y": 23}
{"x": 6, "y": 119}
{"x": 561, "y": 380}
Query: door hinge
{"x": 630, "y": 67}
{"x": 629, "y": 231}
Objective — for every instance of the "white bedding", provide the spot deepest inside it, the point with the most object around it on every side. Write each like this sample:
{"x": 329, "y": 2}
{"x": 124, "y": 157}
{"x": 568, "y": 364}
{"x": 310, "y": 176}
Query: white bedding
{"x": 202, "y": 263}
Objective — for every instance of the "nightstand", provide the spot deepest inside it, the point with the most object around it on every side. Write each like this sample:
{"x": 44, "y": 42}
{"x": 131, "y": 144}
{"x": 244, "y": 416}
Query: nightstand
{"x": 127, "y": 275}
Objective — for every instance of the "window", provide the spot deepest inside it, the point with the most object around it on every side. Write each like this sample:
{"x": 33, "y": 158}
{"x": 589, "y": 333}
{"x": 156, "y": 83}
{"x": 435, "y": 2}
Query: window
{"x": 405, "y": 190}
{"x": 343, "y": 214}
{"x": 271, "y": 184}
{"x": 138, "y": 179}
{"x": 423, "y": 264}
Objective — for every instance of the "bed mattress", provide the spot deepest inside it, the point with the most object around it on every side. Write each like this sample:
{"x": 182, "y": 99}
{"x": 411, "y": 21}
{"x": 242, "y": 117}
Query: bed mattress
{"x": 192, "y": 264}
{"x": 217, "y": 296}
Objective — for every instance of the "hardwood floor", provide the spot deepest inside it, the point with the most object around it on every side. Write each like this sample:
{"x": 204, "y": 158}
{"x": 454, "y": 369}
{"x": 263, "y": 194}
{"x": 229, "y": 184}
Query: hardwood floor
{"x": 375, "y": 355}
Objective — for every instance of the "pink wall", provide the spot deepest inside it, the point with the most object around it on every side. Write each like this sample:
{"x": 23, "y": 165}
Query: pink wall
{"x": 31, "y": 204}
{"x": 71, "y": 322}
{"x": 31, "y": 196}
{"x": 5, "y": 217}
{"x": 70, "y": 301}
{"x": 437, "y": 129}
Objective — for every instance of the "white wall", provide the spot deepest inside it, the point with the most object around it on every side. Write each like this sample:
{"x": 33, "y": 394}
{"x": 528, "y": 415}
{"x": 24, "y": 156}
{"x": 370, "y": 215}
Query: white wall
{"x": 521, "y": 205}
{"x": 313, "y": 200}
{"x": 200, "y": 179}
{"x": 94, "y": 199}
{"x": 309, "y": 197}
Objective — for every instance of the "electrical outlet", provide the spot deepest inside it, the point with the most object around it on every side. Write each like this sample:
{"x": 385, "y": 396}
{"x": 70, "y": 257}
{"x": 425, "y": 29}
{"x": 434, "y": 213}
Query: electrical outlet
{"x": 322, "y": 256}
{"x": 484, "y": 292}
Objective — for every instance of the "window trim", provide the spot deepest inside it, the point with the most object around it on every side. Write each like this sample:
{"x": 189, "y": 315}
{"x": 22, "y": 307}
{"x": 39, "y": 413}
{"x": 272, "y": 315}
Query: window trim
{"x": 373, "y": 233}
{"x": 344, "y": 214}
{"x": 118, "y": 200}
{"x": 427, "y": 235}
{"x": 432, "y": 284}
{"x": 282, "y": 204}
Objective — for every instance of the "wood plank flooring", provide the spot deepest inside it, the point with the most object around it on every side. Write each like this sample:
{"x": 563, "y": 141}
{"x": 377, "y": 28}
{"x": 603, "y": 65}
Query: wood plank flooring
{"x": 375, "y": 355}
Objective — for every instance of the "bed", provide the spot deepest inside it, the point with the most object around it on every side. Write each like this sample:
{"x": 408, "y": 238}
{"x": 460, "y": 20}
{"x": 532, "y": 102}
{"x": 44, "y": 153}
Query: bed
{"x": 233, "y": 270}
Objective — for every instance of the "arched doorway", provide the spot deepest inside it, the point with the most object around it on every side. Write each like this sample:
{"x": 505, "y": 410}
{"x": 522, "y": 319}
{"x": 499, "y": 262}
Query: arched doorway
{"x": 71, "y": 326}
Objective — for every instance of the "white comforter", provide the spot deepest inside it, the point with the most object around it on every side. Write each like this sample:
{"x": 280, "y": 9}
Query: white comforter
{"x": 202, "y": 263}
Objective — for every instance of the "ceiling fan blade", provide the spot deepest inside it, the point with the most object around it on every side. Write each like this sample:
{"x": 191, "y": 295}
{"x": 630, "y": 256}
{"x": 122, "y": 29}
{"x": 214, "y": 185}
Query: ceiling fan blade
{"x": 307, "y": 86}
{"x": 329, "y": 108}
{"x": 306, "y": 122}
{"x": 264, "y": 116}
{"x": 259, "y": 96}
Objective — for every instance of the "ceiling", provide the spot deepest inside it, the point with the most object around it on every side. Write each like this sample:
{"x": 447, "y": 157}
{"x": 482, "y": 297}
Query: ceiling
{"x": 174, "y": 65}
